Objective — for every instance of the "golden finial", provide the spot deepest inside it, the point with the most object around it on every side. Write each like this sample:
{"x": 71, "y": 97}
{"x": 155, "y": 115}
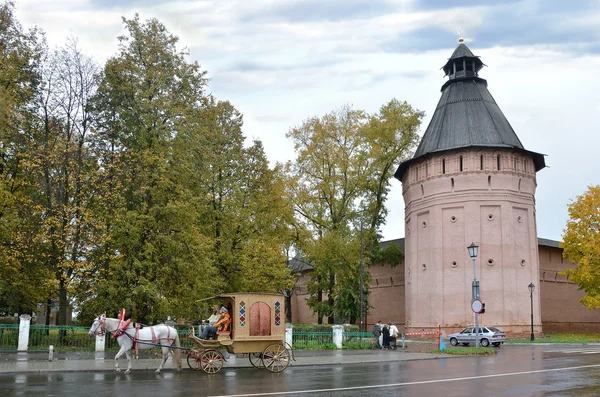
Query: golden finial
{"x": 460, "y": 38}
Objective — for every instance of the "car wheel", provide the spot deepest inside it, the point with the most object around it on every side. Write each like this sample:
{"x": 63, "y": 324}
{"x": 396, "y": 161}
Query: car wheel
{"x": 485, "y": 342}
{"x": 465, "y": 344}
{"x": 496, "y": 344}
{"x": 453, "y": 341}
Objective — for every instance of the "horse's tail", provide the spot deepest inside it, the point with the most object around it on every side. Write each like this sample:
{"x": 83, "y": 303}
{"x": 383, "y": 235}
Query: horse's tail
{"x": 177, "y": 351}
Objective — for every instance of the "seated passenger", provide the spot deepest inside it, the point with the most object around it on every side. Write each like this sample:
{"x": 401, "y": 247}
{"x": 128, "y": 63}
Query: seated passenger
{"x": 211, "y": 320}
{"x": 222, "y": 324}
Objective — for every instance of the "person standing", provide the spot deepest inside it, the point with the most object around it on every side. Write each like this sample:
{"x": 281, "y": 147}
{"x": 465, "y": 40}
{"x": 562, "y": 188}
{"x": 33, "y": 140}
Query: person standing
{"x": 377, "y": 334}
{"x": 386, "y": 337}
{"x": 393, "y": 335}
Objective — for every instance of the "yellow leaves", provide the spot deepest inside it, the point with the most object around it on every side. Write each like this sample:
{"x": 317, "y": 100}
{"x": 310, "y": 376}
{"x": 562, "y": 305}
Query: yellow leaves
{"x": 581, "y": 243}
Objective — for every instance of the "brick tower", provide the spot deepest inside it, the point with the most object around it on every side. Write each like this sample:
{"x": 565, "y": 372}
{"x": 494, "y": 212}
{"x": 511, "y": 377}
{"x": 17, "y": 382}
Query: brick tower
{"x": 470, "y": 180}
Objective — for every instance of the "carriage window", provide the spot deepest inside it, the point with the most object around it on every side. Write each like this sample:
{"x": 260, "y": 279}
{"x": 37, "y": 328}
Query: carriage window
{"x": 242, "y": 314}
{"x": 260, "y": 319}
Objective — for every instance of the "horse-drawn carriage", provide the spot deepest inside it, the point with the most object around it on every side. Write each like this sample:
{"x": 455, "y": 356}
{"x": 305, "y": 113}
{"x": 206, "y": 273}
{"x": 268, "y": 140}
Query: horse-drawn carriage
{"x": 257, "y": 329}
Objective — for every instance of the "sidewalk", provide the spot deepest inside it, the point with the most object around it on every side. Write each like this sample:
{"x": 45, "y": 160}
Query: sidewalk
{"x": 37, "y": 362}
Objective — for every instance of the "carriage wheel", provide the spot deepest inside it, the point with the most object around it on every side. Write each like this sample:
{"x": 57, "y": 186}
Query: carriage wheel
{"x": 276, "y": 358}
{"x": 194, "y": 360}
{"x": 212, "y": 361}
{"x": 256, "y": 360}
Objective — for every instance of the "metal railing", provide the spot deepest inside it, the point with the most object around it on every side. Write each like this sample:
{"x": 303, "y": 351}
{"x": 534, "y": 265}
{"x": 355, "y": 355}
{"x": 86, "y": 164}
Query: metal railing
{"x": 358, "y": 340}
{"x": 63, "y": 338}
{"x": 72, "y": 338}
{"x": 312, "y": 340}
{"x": 9, "y": 336}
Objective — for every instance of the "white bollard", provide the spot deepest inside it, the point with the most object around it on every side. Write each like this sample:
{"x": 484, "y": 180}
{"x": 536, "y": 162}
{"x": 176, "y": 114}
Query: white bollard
{"x": 25, "y": 322}
{"x": 338, "y": 335}
{"x": 100, "y": 343}
{"x": 51, "y": 353}
{"x": 289, "y": 334}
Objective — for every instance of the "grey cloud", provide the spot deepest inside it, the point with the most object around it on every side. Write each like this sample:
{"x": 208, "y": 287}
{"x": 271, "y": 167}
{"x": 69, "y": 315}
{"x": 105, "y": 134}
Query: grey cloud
{"x": 251, "y": 66}
{"x": 420, "y": 40}
{"x": 312, "y": 10}
{"x": 508, "y": 29}
{"x": 110, "y": 4}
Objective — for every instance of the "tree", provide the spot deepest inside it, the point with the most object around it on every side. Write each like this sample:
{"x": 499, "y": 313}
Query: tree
{"x": 154, "y": 258}
{"x": 340, "y": 181}
{"x": 581, "y": 244}
{"x": 23, "y": 278}
{"x": 241, "y": 201}
{"x": 63, "y": 167}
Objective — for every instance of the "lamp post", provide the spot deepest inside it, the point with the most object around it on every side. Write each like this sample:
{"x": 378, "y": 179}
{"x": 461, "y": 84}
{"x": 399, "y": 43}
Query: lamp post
{"x": 473, "y": 250}
{"x": 361, "y": 279}
{"x": 531, "y": 287}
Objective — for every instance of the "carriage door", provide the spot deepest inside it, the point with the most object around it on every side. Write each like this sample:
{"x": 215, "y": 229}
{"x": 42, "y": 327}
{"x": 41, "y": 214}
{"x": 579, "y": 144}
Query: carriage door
{"x": 260, "y": 319}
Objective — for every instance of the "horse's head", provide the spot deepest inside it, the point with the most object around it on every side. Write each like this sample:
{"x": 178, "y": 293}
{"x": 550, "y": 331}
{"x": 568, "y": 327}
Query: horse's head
{"x": 99, "y": 326}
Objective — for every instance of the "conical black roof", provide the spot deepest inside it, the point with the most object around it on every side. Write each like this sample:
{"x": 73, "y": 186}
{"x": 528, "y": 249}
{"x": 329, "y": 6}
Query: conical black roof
{"x": 467, "y": 116}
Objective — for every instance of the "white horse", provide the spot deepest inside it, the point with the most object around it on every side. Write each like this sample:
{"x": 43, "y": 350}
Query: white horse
{"x": 144, "y": 338}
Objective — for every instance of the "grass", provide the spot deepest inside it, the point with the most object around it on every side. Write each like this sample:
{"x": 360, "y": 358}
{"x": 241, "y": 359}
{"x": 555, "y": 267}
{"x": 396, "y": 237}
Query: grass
{"x": 559, "y": 337}
{"x": 466, "y": 351}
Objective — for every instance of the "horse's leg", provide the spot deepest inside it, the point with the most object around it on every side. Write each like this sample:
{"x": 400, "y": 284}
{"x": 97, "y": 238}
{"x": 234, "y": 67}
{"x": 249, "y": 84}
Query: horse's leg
{"x": 176, "y": 353}
{"x": 119, "y": 354}
{"x": 165, "y": 355}
{"x": 128, "y": 355}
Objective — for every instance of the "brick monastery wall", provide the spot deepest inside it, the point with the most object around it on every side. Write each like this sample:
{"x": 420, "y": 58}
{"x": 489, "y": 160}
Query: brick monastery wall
{"x": 560, "y": 306}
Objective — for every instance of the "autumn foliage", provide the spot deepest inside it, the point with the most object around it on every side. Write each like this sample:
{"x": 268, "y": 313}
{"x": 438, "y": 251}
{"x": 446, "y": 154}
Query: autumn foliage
{"x": 581, "y": 243}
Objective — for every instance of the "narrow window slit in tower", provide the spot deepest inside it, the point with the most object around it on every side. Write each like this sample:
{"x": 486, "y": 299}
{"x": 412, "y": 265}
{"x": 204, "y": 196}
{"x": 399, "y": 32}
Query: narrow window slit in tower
{"x": 443, "y": 166}
{"x": 461, "y": 163}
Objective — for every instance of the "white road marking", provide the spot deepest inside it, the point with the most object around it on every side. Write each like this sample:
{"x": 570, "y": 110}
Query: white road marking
{"x": 424, "y": 382}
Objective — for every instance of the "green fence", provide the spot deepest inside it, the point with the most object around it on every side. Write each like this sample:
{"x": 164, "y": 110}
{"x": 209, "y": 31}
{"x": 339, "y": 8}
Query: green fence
{"x": 9, "y": 336}
{"x": 357, "y": 340}
{"x": 312, "y": 340}
{"x": 63, "y": 338}
{"x": 69, "y": 338}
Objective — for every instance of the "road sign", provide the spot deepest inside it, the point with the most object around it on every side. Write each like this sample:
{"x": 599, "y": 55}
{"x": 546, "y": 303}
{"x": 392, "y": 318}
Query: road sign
{"x": 476, "y": 306}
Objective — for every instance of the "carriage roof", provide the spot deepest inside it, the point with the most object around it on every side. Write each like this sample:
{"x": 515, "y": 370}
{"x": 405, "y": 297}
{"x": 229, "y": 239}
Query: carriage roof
{"x": 236, "y": 295}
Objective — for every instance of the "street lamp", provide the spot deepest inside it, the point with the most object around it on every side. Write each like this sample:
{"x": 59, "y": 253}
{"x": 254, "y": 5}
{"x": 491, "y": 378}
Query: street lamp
{"x": 361, "y": 279}
{"x": 473, "y": 250}
{"x": 531, "y": 287}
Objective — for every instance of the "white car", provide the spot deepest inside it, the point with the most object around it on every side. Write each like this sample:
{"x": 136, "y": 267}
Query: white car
{"x": 486, "y": 336}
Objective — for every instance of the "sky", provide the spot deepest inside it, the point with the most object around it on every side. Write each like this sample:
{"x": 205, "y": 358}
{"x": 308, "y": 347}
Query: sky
{"x": 282, "y": 61}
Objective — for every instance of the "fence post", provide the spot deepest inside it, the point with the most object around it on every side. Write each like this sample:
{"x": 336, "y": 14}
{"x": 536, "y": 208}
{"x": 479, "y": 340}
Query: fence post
{"x": 289, "y": 334}
{"x": 100, "y": 345}
{"x": 338, "y": 335}
{"x": 24, "y": 323}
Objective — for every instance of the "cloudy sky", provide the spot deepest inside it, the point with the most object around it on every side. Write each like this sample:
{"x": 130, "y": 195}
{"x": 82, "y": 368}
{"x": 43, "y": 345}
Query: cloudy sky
{"x": 282, "y": 61}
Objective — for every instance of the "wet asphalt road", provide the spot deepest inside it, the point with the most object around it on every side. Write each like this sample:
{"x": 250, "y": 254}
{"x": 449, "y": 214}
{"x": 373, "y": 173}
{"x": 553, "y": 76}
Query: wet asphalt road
{"x": 514, "y": 371}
